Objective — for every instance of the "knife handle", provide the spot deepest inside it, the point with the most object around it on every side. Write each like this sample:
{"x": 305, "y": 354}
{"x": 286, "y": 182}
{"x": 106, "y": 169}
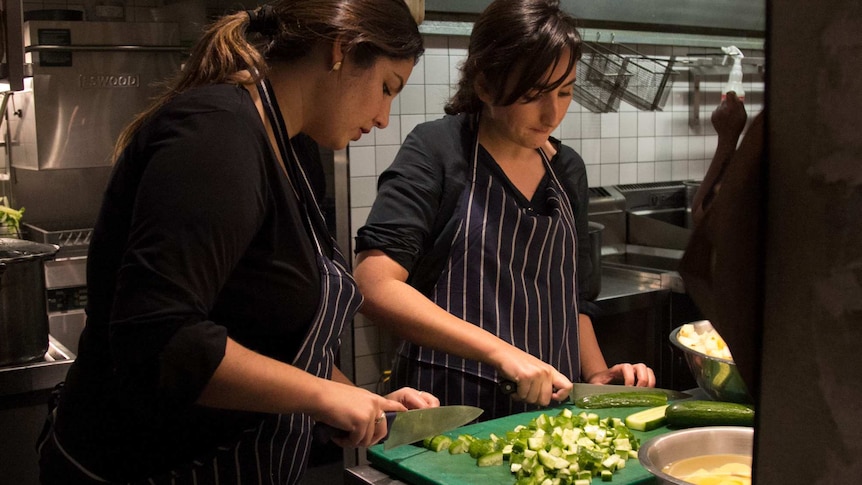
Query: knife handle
{"x": 323, "y": 432}
{"x": 507, "y": 386}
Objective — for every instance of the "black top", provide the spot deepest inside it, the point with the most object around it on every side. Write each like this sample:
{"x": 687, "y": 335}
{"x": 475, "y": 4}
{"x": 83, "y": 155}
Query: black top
{"x": 200, "y": 236}
{"x": 414, "y": 217}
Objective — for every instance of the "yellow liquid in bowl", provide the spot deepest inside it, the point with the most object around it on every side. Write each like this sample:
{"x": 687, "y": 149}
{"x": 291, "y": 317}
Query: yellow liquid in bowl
{"x": 722, "y": 469}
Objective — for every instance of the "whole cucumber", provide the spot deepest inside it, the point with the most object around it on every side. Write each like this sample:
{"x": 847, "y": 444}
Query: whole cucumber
{"x": 622, "y": 400}
{"x": 694, "y": 413}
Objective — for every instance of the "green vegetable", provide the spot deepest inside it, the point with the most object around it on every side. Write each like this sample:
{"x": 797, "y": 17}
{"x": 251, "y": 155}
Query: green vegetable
{"x": 622, "y": 400}
{"x": 648, "y": 419}
{"x": 693, "y": 413}
{"x": 438, "y": 443}
{"x": 493, "y": 458}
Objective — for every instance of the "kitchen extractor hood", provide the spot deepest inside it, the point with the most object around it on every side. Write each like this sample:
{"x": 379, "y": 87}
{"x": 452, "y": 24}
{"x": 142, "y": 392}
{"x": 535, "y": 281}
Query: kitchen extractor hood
{"x": 684, "y": 16}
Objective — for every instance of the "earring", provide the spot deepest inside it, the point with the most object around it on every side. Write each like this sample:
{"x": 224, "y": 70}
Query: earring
{"x": 336, "y": 66}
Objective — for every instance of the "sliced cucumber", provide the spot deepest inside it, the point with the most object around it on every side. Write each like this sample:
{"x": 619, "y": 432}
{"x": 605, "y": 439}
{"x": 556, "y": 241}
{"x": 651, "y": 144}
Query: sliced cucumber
{"x": 648, "y": 419}
{"x": 622, "y": 399}
{"x": 693, "y": 413}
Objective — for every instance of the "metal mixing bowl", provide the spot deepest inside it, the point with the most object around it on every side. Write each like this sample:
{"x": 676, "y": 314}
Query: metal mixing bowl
{"x": 662, "y": 450}
{"x": 719, "y": 378}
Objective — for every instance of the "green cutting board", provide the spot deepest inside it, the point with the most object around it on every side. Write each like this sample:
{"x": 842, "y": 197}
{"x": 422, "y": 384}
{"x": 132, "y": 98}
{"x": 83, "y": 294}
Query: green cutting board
{"x": 419, "y": 466}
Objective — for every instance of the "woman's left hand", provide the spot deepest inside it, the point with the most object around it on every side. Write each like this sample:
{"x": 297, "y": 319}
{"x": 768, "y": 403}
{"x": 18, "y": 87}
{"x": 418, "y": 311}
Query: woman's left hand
{"x": 413, "y": 399}
{"x": 629, "y": 374}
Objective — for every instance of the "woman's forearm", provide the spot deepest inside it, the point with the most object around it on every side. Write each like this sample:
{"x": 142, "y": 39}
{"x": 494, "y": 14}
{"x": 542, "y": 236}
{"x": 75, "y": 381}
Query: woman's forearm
{"x": 592, "y": 360}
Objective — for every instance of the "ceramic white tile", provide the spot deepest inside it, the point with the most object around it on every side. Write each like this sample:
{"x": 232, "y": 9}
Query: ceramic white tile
{"x": 646, "y": 149}
{"x": 594, "y": 175}
{"x": 679, "y": 148}
{"x": 696, "y": 148}
{"x": 591, "y": 150}
{"x": 663, "y": 172}
{"x": 395, "y": 106}
{"x": 408, "y": 122}
{"x": 417, "y": 77}
{"x": 591, "y": 125}
{"x": 646, "y": 123}
{"x": 455, "y": 63}
{"x": 413, "y": 99}
{"x": 710, "y": 143}
{"x": 358, "y": 216}
{"x": 436, "y": 69}
{"x": 363, "y": 190}
{"x": 436, "y": 97}
{"x": 362, "y": 162}
{"x": 628, "y": 173}
{"x": 366, "y": 140}
{"x": 680, "y": 124}
{"x": 679, "y": 170}
{"x": 628, "y": 124}
{"x": 610, "y": 175}
{"x": 575, "y": 145}
{"x": 696, "y": 169}
{"x": 628, "y": 149}
{"x": 610, "y": 125}
{"x": 384, "y": 156}
{"x": 663, "y": 123}
{"x": 610, "y": 150}
{"x": 646, "y": 172}
{"x": 570, "y": 127}
{"x": 391, "y": 135}
{"x": 663, "y": 148}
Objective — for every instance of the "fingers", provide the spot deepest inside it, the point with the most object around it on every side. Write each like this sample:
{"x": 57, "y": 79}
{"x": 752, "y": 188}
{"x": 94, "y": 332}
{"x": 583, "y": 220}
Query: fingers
{"x": 633, "y": 375}
{"x": 413, "y": 398}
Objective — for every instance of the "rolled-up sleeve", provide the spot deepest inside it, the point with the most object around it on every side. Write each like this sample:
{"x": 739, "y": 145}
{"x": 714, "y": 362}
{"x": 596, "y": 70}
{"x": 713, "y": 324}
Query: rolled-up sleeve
{"x": 408, "y": 203}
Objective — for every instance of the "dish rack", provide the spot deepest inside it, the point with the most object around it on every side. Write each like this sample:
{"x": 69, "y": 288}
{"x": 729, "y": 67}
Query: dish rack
{"x": 606, "y": 76}
{"x": 65, "y": 238}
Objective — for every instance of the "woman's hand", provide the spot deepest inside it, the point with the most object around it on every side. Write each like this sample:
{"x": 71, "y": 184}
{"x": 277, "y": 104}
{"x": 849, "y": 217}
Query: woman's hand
{"x": 729, "y": 118}
{"x": 629, "y": 374}
{"x": 357, "y": 411}
{"x": 538, "y": 382}
{"x": 413, "y": 398}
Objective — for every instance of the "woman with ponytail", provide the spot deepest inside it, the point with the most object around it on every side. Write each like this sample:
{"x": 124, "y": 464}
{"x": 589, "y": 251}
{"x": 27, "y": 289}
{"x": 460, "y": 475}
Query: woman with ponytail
{"x": 217, "y": 297}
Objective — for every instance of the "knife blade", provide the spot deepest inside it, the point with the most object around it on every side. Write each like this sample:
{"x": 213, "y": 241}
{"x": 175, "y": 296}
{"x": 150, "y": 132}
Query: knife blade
{"x": 411, "y": 426}
{"x": 581, "y": 389}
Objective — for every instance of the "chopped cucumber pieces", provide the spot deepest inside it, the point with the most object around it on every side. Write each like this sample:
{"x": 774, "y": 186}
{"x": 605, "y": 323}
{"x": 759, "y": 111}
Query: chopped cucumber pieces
{"x": 566, "y": 449}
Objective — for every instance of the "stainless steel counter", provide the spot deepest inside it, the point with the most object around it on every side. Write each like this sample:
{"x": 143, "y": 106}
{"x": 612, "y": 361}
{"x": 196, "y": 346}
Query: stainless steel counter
{"x": 38, "y": 375}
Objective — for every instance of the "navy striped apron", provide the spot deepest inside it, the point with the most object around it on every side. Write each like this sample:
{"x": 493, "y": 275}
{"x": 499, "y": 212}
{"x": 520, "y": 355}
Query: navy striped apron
{"x": 276, "y": 451}
{"x": 511, "y": 271}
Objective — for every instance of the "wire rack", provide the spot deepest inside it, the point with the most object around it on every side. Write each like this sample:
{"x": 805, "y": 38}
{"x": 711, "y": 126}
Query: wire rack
{"x": 606, "y": 76}
{"x": 600, "y": 81}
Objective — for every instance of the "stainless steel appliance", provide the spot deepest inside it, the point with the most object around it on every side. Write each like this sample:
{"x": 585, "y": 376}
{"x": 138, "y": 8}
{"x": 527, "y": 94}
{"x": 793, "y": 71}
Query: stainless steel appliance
{"x": 89, "y": 79}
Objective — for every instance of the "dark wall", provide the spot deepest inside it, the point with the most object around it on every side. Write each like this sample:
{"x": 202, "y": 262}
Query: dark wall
{"x": 810, "y": 421}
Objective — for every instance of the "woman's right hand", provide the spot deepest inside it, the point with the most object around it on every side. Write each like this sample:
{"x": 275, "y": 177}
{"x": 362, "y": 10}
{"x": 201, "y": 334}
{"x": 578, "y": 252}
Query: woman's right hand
{"x": 356, "y": 411}
{"x": 729, "y": 117}
{"x": 537, "y": 381}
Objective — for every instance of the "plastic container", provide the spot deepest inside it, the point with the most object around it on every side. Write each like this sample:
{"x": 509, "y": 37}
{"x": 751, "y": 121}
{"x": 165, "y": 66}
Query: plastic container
{"x": 734, "y": 81}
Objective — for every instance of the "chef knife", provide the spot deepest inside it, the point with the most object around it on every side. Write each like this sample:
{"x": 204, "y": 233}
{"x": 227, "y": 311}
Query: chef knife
{"x": 413, "y": 425}
{"x": 582, "y": 389}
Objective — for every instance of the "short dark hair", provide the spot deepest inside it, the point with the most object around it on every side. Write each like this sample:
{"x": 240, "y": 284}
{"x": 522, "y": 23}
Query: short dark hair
{"x": 520, "y": 37}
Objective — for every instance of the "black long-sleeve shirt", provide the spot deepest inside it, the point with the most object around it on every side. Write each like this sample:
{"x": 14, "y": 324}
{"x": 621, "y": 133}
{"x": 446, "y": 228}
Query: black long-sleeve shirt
{"x": 414, "y": 216}
{"x": 200, "y": 237}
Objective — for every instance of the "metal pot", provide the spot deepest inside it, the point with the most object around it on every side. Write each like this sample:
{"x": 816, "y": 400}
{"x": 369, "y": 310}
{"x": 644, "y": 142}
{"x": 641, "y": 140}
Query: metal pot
{"x": 594, "y": 286}
{"x": 23, "y": 309}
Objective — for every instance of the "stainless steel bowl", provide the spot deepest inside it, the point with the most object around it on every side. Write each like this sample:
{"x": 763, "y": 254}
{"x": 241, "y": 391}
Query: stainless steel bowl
{"x": 719, "y": 378}
{"x": 658, "y": 452}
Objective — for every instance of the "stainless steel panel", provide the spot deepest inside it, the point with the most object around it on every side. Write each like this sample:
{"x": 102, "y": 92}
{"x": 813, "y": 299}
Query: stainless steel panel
{"x": 66, "y": 273}
{"x": 89, "y": 80}
{"x": 66, "y": 328}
